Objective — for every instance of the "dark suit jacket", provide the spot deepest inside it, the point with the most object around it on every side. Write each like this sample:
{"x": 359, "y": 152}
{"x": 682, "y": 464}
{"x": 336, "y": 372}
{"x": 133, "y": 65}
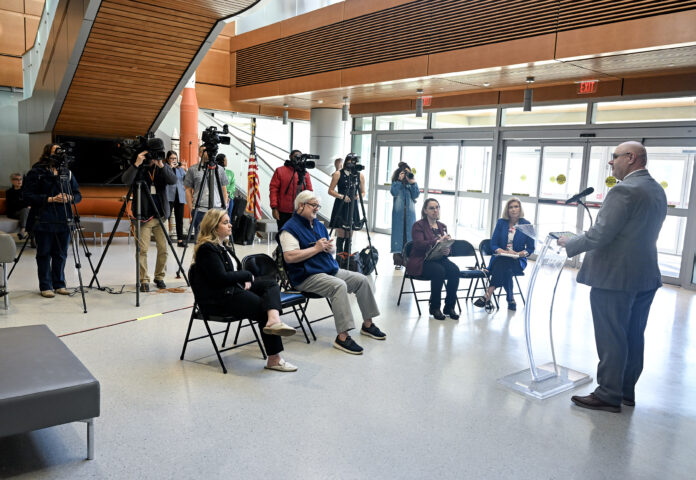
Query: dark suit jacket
{"x": 520, "y": 241}
{"x": 215, "y": 276}
{"x": 423, "y": 240}
{"x": 621, "y": 246}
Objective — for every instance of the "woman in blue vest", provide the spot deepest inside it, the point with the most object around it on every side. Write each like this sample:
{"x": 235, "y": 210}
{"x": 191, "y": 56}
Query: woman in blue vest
{"x": 508, "y": 240}
{"x": 221, "y": 287}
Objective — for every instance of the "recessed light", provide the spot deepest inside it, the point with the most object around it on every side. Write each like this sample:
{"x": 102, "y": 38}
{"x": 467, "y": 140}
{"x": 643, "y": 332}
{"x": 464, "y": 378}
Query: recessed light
{"x": 320, "y": 101}
{"x": 486, "y": 84}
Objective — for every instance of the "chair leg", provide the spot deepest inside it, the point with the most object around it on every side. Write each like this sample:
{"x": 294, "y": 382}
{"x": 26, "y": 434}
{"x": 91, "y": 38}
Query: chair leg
{"x": 236, "y": 335}
{"x": 306, "y": 319}
{"x": 227, "y": 331}
{"x": 188, "y": 334}
{"x": 299, "y": 320}
{"x": 398, "y": 302}
{"x": 415, "y": 295}
{"x": 217, "y": 352}
{"x": 258, "y": 340}
{"x": 520, "y": 290}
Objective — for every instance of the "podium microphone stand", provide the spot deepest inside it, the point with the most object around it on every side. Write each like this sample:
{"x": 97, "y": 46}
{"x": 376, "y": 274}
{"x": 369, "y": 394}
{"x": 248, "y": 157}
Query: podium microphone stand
{"x": 549, "y": 379}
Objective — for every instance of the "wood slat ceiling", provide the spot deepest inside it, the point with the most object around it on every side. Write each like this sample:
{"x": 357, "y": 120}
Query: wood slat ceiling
{"x": 431, "y": 26}
{"x": 135, "y": 56}
{"x": 603, "y": 68}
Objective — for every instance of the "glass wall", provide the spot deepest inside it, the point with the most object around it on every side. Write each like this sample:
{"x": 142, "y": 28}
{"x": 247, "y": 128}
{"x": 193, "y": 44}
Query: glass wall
{"x": 465, "y": 118}
{"x": 652, "y": 110}
{"x": 575, "y": 114}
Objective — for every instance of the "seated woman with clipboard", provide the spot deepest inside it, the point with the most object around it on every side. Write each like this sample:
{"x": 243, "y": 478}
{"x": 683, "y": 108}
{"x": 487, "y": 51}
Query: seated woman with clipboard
{"x": 428, "y": 259}
{"x": 511, "y": 249}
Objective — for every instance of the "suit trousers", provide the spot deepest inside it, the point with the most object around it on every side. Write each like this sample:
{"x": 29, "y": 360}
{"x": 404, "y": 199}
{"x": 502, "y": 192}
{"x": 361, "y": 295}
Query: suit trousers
{"x": 437, "y": 271}
{"x": 51, "y": 253}
{"x": 147, "y": 229}
{"x": 619, "y": 320}
{"x": 336, "y": 288}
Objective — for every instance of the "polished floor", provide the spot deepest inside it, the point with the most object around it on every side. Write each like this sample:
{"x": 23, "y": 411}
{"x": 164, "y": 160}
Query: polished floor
{"x": 424, "y": 404}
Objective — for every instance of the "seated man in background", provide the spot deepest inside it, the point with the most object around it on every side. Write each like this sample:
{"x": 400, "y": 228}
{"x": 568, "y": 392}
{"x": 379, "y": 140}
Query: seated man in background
{"x": 311, "y": 267}
{"x": 16, "y": 207}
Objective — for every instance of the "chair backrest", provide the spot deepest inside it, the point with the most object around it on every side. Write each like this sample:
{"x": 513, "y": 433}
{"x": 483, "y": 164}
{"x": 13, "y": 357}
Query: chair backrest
{"x": 462, "y": 248}
{"x": 261, "y": 266}
{"x": 485, "y": 249}
{"x": 407, "y": 251}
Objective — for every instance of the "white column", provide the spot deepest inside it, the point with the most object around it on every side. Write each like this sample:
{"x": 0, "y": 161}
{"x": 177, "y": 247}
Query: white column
{"x": 326, "y": 137}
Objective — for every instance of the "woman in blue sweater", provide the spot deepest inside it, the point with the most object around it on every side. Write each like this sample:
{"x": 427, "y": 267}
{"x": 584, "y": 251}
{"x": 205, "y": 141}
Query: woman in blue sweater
{"x": 506, "y": 239}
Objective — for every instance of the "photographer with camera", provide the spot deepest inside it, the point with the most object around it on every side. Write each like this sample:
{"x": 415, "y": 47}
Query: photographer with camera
{"x": 193, "y": 181}
{"x": 287, "y": 182}
{"x": 176, "y": 196}
{"x": 345, "y": 215}
{"x": 50, "y": 215}
{"x": 405, "y": 191}
{"x": 149, "y": 168}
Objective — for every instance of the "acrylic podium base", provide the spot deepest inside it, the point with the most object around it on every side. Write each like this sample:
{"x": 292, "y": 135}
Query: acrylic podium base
{"x": 549, "y": 384}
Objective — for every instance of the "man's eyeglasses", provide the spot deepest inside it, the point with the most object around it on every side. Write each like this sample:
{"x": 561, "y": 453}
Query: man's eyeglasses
{"x": 314, "y": 205}
{"x": 617, "y": 155}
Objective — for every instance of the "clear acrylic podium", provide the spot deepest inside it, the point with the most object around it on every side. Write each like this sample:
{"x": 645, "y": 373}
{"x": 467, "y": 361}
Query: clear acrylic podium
{"x": 543, "y": 381}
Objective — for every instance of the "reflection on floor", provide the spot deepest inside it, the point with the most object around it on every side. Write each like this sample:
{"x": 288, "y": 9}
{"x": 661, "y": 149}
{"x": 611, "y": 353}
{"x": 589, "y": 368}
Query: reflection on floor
{"x": 425, "y": 403}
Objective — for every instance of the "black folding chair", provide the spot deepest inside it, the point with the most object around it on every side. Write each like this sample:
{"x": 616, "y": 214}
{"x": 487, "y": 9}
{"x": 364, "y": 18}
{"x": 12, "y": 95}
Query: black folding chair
{"x": 263, "y": 266}
{"x": 472, "y": 272}
{"x": 198, "y": 314}
{"x": 485, "y": 250}
{"x": 289, "y": 288}
{"x": 407, "y": 252}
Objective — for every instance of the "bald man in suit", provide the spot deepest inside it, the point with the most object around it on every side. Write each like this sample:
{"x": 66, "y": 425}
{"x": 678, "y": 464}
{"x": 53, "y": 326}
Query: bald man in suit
{"x": 621, "y": 267}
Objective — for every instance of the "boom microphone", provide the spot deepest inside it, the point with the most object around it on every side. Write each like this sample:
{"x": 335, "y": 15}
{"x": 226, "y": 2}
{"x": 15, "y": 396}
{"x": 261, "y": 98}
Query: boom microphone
{"x": 578, "y": 196}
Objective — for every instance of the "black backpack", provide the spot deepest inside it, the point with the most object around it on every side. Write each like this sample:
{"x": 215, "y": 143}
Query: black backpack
{"x": 352, "y": 263}
{"x": 244, "y": 233}
{"x": 369, "y": 258}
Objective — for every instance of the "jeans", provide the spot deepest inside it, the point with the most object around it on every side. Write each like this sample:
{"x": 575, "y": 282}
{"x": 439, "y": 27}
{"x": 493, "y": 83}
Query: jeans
{"x": 51, "y": 253}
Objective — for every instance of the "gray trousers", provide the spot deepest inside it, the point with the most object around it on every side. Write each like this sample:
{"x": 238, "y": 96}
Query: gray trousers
{"x": 336, "y": 289}
{"x": 620, "y": 318}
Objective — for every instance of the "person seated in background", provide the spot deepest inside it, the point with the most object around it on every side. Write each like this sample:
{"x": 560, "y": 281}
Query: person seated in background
{"x": 507, "y": 239}
{"x": 311, "y": 267}
{"x": 16, "y": 207}
{"x": 221, "y": 287}
{"x": 428, "y": 232}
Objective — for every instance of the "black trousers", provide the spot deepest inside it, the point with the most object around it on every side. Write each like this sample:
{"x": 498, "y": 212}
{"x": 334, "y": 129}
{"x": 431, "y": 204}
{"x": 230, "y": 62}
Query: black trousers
{"x": 178, "y": 209}
{"x": 264, "y": 295}
{"x": 284, "y": 217}
{"x": 437, "y": 271}
{"x": 502, "y": 271}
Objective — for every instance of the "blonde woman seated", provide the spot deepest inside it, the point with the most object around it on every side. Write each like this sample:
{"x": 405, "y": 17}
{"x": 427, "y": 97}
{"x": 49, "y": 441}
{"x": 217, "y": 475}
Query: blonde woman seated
{"x": 222, "y": 288}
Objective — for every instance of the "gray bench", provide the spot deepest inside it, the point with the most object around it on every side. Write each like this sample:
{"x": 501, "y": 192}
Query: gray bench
{"x": 8, "y": 225}
{"x": 43, "y": 384}
{"x": 8, "y": 252}
{"x": 104, "y": 225}
{"x": 268, "y": 226}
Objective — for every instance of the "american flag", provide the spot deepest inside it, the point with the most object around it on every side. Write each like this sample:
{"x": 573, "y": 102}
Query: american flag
{"x": 253, "y": 193}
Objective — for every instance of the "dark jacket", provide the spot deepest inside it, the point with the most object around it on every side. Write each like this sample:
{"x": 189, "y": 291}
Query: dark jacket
{"x": 153, "y": 175}
{"x": 14, "y": 199}
{"x": 423, "y": 240}
{"x": 284, "y": 180}
{"x": 216, "y": 276}
{"x": 40, "y": 184}
{"x": 520, "y": 241}
{"x": 307, "y": 235}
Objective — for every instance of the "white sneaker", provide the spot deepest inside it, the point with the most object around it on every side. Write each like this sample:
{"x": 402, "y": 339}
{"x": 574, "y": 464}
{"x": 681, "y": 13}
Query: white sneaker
{"x": 283, "y": 366}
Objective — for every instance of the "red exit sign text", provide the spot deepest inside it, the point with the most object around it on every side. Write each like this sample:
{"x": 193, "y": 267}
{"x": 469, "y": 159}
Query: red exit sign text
{"x": 587, "y": 87}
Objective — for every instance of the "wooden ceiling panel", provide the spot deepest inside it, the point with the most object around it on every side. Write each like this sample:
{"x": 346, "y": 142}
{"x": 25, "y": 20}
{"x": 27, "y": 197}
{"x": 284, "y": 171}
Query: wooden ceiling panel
{"x": 133, "y": 60}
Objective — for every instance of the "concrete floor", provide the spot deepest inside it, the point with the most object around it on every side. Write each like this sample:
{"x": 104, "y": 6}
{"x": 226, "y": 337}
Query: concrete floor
{"x": 423, "y": 404}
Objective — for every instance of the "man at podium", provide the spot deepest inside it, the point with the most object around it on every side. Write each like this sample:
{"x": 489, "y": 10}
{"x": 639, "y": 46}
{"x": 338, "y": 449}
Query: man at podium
{"x": 621, "y": 267}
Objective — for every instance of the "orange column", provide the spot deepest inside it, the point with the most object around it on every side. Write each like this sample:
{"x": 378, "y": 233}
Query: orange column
{"x": 189, "y": 124}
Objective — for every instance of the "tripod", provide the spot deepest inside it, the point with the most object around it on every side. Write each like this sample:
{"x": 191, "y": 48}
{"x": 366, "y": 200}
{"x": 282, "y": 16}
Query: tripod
{"x": 211, "y": 179}
{"x": 76, "y": 234}
{"x": 135, "y": 191}
{"x": 353, "y": 187}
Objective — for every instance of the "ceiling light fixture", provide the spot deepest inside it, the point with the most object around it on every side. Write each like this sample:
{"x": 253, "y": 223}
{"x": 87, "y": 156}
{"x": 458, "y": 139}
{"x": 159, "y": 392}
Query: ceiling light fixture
{"x": 527, "y": 103}
{"x": 285, "y": 114}
{"x": 344, "y": 110}
{"x": 419, "y": 103}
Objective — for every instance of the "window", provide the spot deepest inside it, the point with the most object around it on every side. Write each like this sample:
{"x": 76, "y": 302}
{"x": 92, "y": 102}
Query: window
{"x": 653, "y": 110}
{"x": 465, "y": 119}
{"x": 402, "y": 122}
{"x": 545, "y": 115}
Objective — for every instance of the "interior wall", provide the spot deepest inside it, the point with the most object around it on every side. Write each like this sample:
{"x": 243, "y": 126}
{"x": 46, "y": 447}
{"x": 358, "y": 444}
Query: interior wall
{"x": 19, "y": 21}
{"x": 14, "y": 146}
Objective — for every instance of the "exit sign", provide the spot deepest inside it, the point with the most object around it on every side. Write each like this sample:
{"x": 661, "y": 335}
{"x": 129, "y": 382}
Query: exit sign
{"x": 587, "y": 86}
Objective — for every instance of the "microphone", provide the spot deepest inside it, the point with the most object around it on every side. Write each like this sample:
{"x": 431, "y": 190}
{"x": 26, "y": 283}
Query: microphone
{"x": 578, "y": 196}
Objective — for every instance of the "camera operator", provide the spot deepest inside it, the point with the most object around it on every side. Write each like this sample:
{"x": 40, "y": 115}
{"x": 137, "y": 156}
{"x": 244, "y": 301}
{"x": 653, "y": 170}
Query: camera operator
{"x": 347, "y": 181}
{"x": 193, "y": 181}
{"x": 405, "y": 191}
{"x": 17, "y": 208}
{"x": 155, "y": 175}
{"x": 284, "y": 187}
{"x": 50, "y": 213}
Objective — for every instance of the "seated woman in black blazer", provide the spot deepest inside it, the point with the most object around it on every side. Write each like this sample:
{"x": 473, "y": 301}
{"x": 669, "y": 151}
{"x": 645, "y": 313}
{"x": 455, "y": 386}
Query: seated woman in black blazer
{"x": 223, "y": 288}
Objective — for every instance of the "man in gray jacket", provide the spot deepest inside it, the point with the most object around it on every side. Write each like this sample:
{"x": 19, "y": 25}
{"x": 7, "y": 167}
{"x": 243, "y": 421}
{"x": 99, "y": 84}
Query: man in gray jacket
{"x": 621, "y": 267}
{"x": 154, "y": 179}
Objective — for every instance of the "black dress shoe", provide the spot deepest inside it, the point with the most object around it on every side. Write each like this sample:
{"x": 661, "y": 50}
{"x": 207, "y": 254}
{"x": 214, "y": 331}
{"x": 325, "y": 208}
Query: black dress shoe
{"x": 144, "y": 287}
{"x": 437, "y": 314}
{"x": 450, "y": 312}
{"x": 160, "y": 284}
{"x": 628, "y": 402}
{"x": 593, "y": 403}
{"x": 512, "y": 305}
{"x": 480, "y": 302}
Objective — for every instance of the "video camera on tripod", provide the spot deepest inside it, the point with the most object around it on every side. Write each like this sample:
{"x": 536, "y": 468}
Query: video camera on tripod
{"x": 352, "y": 164}
{"x": 63, "y": 155}
{"x": 301, "y": 161}
{"x": 211, "y": 139}
{"x": 128, "y": 149}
